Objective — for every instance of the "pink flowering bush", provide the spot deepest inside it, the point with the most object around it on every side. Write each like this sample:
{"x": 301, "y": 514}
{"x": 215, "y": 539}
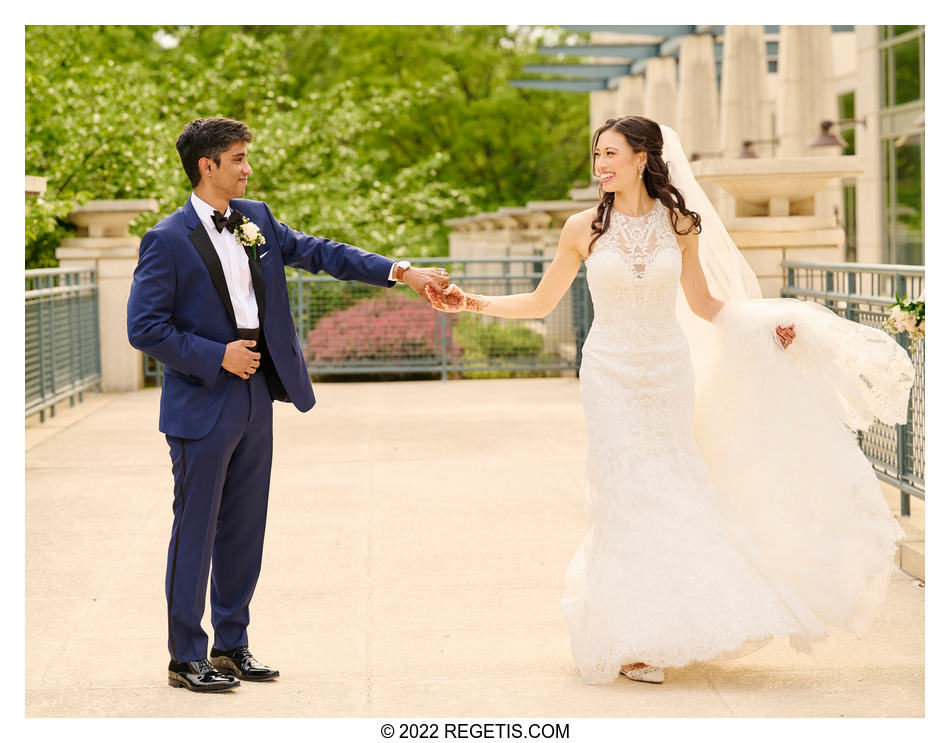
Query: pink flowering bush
{"x": 390, "y": 327}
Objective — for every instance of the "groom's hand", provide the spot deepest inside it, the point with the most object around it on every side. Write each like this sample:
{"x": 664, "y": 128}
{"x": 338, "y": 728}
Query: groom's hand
{"x": 240, "y": 360}
{"x": 419, "y": 278}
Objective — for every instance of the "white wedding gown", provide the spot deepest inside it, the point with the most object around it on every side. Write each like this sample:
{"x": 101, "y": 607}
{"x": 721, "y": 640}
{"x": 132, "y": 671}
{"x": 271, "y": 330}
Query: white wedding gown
{"x": 753, "y": 514}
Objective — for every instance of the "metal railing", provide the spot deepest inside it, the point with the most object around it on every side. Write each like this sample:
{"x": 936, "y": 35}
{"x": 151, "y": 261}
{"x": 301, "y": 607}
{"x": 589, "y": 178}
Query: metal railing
{"x": 349, "y": 330}
{"x": 61, "y": 337}
{"x": 862, "y": 292}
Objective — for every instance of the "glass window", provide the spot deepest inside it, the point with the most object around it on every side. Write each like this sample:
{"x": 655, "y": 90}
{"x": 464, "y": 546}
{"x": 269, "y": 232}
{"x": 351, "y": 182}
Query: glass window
{"x": 849, "y": 202}
{"x": 904, "y": 189}
{"x": 907, "y": 72}
{"x": 846, "y": 113}
{"x": 902, "y": 86}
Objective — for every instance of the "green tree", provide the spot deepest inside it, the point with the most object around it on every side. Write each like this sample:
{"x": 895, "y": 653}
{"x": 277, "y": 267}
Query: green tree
{"x": 371, "y": 135}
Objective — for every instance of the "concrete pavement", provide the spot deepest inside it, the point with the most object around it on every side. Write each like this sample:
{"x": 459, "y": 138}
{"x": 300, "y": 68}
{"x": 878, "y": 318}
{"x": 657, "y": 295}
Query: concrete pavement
{"x": 417, "y": 539}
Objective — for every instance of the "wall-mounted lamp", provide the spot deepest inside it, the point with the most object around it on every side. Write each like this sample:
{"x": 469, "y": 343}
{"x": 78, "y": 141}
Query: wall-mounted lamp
{"x": 911, "y": 137}
{"x": 827, "y": 139}
{"x": 748, "y": 143}
{"x": 700, "y": 155}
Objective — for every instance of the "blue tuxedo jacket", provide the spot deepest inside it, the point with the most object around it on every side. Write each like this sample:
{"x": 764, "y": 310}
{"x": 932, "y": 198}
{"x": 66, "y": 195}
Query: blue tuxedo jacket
{"x": 180, "y": 312}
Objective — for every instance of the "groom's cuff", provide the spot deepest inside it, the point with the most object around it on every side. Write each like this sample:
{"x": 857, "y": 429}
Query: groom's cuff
{"x": 392, "y": 272}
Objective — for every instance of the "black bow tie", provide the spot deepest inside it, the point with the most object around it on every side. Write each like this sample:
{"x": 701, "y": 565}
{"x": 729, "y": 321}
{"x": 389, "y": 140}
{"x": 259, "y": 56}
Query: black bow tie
{"x": 235, "y": 219}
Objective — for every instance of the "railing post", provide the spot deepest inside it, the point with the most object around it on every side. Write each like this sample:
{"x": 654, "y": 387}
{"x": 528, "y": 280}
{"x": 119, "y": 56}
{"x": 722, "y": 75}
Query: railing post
{"x": 81, "y": 361}
{"x": 40, "y": 345}
{"x": 900, "y": 285}
{"x": 849, "y": 310}
{"x": 95, "y": 325}
{"x": 443, "y": 320}
{"x": 72, "y": 316}
{"x": 900, "y": 288}
{"x": 900, "y": 431}
{"x": 52, "y": 348}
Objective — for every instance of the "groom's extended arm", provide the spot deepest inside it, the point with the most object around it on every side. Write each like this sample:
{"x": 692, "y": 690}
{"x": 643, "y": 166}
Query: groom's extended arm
{"x": 150, "y": 310}
{"x": 341, "y": 261}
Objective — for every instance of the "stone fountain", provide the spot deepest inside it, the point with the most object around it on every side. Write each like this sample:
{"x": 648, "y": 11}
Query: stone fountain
{"x": 775, "y": 216}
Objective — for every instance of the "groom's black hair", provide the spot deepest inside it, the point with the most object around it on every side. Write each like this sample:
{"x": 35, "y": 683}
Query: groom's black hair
{"x": 208, "y": 138}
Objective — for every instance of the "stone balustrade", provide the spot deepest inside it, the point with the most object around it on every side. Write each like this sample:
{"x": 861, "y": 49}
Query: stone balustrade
{"x": 103, "y": 239}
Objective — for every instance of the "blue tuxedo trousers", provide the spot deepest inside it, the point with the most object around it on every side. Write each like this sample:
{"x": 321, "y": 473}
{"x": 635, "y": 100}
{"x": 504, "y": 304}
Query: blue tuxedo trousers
{"x": 220, "y": 509}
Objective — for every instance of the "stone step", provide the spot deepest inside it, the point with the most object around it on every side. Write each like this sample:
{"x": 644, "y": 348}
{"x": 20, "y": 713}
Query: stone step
{"x": 910, "y": 559}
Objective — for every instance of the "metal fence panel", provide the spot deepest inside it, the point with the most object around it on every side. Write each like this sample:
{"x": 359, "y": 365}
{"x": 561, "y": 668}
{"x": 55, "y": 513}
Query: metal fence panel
{"x": 61, "y": 336}
{"x": 352, "y": 330}
{"x": 349, "y": 330}
{"x": 862, "y": 292}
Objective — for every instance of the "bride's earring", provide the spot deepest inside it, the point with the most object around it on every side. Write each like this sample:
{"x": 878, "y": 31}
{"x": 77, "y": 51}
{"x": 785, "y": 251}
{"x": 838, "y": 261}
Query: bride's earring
{"x": 641, "y": 172}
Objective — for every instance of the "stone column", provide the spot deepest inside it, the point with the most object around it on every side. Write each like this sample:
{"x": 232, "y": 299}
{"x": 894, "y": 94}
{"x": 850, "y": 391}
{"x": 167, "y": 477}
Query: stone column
{"x": 630, "y": 95}
{"x": 806, "y": 92}
{"x": 659, "y": 91}
{"x": 697, "y": 106}
{"x": 603, "y": 106}
{"x": 103, "y": 239}
{"x": 867, "y": 104}
{"x": 806, "y": 96}
{"x": 745, "y": 105}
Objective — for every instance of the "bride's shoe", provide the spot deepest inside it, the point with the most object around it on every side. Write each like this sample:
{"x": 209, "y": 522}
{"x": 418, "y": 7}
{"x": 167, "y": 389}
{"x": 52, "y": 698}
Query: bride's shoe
{"x": 643, "y": 672}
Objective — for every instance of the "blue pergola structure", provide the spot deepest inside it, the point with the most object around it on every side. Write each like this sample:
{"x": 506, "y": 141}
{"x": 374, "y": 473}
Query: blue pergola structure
{"x": 631, "y": 57}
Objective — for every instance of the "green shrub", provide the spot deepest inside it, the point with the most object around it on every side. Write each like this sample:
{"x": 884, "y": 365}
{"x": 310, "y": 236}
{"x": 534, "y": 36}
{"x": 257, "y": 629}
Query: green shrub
{"x": 489, "y": 342}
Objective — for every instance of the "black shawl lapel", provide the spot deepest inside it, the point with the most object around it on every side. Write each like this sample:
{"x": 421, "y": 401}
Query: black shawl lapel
{"x": 257, "y": 280}
{"x": 201, "y": 241}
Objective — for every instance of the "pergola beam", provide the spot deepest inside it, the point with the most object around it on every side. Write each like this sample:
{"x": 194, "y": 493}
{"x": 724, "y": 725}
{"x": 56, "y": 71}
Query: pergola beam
{"x": 617, "y": 51}
{"x": 660, "y": 31}
{"x": 604, "y": 71}
{"x": 570, "y": 86}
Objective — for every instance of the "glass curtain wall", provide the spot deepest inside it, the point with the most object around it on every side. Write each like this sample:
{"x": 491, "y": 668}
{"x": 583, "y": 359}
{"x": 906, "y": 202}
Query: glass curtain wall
{"x": 902, "y": 141}
{"x": 848, "y": 221}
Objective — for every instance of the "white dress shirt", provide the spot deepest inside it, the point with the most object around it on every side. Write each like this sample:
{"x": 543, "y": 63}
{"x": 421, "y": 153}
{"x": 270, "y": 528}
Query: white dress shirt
{"x": 234, "y": 262}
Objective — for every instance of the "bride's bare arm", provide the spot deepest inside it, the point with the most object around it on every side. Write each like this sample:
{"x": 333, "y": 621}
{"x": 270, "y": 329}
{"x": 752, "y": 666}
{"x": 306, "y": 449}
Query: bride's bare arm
{"x": 693, "y": 280}
{"x": 696, "y": 290}
{"x": 573, "y": 243}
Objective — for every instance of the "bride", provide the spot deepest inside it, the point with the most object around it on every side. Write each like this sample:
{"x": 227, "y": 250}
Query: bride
{"x": 729, "y": 500}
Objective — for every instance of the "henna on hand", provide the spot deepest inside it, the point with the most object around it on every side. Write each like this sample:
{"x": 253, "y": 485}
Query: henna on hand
{"x": 455, "y": 300}
{"x": 785, "y": 335}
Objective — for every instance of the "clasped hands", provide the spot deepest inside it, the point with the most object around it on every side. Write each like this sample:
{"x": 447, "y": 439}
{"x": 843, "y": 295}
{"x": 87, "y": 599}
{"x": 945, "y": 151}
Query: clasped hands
{"x": 432, "y": 284}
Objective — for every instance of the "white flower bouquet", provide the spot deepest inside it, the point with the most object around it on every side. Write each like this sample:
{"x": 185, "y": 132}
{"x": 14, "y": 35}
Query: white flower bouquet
{"x": 906, "y": 317}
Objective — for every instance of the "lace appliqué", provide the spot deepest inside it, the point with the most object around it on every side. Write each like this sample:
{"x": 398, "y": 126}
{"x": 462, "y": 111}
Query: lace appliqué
{"x": 639, "y": 239}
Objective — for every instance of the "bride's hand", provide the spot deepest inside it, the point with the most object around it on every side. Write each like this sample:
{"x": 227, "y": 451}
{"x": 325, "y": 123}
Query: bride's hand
{"x": 785, "y": 335}
{"x": 452, "y": 299}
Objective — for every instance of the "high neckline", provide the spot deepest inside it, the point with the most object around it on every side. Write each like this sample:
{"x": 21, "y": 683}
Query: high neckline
{"x": 646, "y": 214}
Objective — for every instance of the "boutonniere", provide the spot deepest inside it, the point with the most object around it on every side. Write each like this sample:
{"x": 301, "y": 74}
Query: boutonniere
{"x": 249, "y": 235}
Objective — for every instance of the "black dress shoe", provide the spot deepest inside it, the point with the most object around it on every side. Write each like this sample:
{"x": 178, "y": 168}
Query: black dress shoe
{"x": 241, "y": 664}
{"x": 200, "y": 675}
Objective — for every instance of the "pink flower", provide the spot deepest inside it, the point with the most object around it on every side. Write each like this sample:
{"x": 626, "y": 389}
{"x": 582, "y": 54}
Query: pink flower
{"x": 390, "y": 327}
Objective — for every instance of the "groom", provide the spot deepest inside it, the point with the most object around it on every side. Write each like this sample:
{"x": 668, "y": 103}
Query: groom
{"x": 209, "y": 300}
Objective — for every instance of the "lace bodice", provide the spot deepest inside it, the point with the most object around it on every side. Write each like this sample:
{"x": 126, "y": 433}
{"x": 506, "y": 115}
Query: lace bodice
{"x": 633, "y": 271}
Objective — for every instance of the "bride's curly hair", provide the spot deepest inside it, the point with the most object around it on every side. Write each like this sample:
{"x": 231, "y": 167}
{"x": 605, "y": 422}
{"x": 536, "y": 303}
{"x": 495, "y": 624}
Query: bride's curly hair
{"x": 643, "y": 135}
